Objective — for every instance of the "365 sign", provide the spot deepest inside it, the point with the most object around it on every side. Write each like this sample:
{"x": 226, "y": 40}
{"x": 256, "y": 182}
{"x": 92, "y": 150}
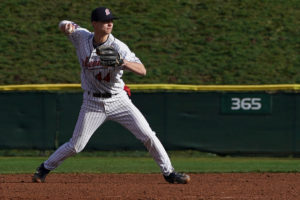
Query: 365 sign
{"x": 247, "y": 103}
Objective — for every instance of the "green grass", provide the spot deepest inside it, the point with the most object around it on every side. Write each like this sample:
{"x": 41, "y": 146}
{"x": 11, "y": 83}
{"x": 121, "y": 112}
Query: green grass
{"x": 80, "y": 164}
{"x": 183, "y": 41}
{"x": 90, "y": 153}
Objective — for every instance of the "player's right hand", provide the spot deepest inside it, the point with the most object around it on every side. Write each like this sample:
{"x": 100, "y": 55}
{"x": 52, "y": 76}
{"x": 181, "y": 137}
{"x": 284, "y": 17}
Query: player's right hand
{"x": 66, "y": 27}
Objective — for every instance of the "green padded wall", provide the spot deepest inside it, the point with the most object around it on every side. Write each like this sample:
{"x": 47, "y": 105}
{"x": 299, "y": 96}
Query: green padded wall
{"x": 181, "y": 120}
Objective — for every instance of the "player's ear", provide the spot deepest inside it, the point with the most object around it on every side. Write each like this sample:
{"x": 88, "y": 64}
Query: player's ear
{"x": 93, "y": 24}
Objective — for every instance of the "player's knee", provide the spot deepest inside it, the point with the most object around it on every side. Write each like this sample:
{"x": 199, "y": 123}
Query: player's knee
{"x": 149, "y": 139}
{"x": 78, "y": 148}
{"x": 75, "y": 147}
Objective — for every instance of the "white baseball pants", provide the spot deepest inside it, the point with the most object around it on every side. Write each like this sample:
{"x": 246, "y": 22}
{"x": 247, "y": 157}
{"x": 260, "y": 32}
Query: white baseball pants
{"x": 94, "y": 112}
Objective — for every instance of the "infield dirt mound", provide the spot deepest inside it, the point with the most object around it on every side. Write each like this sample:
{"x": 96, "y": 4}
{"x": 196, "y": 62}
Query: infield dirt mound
{"x": 262, "y": 186}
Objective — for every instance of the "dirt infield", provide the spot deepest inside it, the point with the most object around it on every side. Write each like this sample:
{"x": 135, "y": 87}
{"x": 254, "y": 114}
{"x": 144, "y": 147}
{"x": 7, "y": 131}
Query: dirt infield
{"x": 214, "y": 186}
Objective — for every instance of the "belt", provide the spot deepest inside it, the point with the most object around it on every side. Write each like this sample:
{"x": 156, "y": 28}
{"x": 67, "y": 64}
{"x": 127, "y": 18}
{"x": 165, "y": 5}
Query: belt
{"x": 100, "y": 95}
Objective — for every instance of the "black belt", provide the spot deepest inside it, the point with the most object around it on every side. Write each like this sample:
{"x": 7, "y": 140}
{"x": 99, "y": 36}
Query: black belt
{"x": 100, "y": 95}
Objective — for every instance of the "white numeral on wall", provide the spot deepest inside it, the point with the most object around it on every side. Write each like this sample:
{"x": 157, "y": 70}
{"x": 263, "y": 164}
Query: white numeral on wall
{"x": 246, "y": 103}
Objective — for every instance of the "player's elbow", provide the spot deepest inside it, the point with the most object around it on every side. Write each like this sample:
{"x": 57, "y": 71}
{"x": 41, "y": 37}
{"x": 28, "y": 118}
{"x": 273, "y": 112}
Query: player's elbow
{"x": 137, "y": 68}
{"x": 143, "y": 72}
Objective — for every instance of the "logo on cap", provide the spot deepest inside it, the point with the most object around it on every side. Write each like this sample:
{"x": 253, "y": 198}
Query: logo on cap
{"x": 107, "y": 12}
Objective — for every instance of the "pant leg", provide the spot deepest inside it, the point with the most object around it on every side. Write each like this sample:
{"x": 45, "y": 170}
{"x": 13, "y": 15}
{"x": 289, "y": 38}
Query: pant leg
{"x": 91, "y": 116}
{"x": 126, "y": 113}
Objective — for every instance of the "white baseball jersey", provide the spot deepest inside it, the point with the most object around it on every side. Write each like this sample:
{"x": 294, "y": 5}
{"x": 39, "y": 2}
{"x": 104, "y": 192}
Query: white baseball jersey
{"x": 95, "y": 111}
{"x": 94, "y": 77}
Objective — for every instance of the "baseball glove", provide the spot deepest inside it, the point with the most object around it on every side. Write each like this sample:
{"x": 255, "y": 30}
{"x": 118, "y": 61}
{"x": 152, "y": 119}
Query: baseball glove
{"x": 109, "y": 56}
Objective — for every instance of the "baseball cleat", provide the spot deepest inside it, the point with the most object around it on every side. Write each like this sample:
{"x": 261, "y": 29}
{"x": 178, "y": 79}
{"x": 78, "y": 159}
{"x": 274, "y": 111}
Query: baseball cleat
{"x": 176, "y": 177}
{"x": 40, "y": 174}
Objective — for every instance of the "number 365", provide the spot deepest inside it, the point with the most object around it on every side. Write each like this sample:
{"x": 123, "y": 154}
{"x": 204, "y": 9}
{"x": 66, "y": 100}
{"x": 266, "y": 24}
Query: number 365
{"x": 246, "y": 103}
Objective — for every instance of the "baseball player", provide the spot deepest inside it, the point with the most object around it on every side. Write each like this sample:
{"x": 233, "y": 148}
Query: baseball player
{"x": 104, "y": 97}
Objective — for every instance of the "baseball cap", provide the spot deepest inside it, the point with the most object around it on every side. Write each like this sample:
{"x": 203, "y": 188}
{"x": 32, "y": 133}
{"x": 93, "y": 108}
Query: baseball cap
{"x": 102, "y": 14}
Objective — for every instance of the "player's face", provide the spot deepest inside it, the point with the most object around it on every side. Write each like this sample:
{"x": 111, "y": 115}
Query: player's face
{"x": 103, "y": 27}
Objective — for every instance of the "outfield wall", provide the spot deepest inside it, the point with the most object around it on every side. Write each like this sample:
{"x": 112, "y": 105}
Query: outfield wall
{"x": 220, "y": 119}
